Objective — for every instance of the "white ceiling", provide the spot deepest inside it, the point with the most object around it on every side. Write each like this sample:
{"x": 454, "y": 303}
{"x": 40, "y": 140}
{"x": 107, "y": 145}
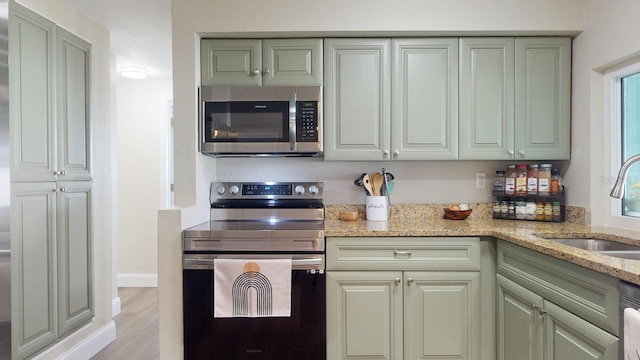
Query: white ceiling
{"x": 140, "y": 31}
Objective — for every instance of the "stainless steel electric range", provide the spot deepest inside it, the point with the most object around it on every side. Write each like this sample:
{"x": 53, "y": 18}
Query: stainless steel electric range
{"x": 256, "y": 220}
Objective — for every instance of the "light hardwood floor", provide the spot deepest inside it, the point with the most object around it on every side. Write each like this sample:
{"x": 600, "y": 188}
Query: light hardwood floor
{"x": 136, "y": 327}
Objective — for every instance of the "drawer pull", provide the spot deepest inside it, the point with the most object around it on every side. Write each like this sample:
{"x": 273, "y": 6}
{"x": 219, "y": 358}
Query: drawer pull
{"x": 397, "y": 281}
{"x": 409, "y": 281}
{"x": 542, "y": 312}
{"x": 399, "y": 253}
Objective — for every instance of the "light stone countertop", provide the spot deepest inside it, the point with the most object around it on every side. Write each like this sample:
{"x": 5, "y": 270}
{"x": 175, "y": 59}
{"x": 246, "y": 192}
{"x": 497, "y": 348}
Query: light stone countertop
{"x": 523, "y": 233}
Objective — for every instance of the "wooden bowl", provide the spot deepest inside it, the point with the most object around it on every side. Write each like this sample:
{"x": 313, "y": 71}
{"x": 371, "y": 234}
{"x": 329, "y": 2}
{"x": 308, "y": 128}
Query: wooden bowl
{"x": 456, "y": 214}
{"x": 349, "y": 215}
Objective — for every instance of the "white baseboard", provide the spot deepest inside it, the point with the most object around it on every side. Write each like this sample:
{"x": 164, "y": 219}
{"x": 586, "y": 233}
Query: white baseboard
{"x": 87, "y": 348}
{"x": 115, "y": 307}
{"x": 137, "y": 280}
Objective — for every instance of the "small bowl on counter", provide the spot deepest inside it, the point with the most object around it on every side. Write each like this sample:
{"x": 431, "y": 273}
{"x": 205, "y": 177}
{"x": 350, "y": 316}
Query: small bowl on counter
{"x": 456, "y": 214}
{"x": 349, "y": 215}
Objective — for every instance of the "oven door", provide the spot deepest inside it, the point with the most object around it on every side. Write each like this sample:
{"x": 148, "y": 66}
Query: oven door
{"x": 301, "y": 336}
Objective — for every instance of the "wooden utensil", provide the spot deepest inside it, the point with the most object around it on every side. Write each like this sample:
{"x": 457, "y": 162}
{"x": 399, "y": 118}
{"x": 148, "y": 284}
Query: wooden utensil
{"x": 366, "y": 182}
{"x": 376, "y": 179}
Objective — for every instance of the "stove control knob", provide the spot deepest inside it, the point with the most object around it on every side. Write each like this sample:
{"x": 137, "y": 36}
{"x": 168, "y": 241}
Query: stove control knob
{"x": 313, "y": 190}
{"x": 299, "y": 190}
{"x": 234, "y": 189}
{"x": 221, "y": 190}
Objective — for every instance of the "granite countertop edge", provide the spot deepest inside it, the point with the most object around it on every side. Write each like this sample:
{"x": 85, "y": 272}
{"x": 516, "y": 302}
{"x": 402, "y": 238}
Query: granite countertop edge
{"x": 528, "y": 234}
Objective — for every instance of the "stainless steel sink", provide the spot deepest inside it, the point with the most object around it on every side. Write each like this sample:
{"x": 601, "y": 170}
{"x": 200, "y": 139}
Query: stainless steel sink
{"x": 604, "y": 247}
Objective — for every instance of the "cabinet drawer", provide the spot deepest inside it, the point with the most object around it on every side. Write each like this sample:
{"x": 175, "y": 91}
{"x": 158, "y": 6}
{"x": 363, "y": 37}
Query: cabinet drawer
{"x": 398, "y": 253}
{"x": 590, "y": 295}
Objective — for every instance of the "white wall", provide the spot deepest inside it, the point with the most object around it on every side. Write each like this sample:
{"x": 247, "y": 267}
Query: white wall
{"x": 142, "y": 125}
{"x": 610, "y": 38}
{"x": 102, "y": 328}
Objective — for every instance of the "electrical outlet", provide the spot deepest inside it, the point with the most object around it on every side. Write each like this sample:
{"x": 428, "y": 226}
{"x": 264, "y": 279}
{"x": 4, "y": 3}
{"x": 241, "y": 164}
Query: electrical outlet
{"x": 481, "y": 180}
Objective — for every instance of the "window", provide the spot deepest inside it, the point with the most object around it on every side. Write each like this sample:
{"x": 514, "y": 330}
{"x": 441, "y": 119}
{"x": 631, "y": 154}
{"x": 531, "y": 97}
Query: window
{"x": 630, "y": 128}
{"x": 622, "y": 140}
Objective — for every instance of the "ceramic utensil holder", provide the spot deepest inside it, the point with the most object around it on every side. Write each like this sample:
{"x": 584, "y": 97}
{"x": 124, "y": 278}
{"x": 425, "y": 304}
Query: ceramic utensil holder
{"x": 376, "y": 208}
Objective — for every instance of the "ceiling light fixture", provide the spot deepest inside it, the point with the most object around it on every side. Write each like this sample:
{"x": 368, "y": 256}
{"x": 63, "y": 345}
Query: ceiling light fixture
{"x": 133, "y": 72}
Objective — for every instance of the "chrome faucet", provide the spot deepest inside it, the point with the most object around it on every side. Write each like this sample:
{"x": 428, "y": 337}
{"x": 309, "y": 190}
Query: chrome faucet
{"x": 618, "y": 188}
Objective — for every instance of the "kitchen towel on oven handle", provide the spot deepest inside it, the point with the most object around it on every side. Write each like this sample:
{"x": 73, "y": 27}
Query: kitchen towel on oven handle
{"x": 252, "y": 288}
{"x": 631, "y": 334}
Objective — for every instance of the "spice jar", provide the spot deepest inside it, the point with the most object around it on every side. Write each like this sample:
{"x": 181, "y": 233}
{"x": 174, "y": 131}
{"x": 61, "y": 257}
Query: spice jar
{"x": 532, "y": 180}
{"x": 521, "y": 210}
{"x": 555, "y": 186}
{"x": 510, "y": 180}
{"x": 504, "y": 210}
{"x": 539, "y": 210}
{"x": 521, "y": 180}
{"x": 556, "y": 211}
{"x": 544, "y": 177}
{"x": 511, "y": 210}
{"x": 496, "y": 209}
{"x": 548, "y": 211}
{"x": 530, "y": 206}
{"x": 499, "y": 181}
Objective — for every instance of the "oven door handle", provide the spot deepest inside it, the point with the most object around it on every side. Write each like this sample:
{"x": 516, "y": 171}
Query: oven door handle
{"x": 306, "y": 262}
{"x": 292, "y": 121}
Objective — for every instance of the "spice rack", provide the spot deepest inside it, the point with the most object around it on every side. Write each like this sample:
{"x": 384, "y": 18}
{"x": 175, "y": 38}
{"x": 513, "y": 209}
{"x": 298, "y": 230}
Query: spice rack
{"x": 518, "y": 207}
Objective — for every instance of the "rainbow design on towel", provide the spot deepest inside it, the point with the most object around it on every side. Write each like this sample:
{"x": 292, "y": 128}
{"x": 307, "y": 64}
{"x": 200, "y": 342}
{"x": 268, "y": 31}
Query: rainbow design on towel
{"x": 251, "y": 278}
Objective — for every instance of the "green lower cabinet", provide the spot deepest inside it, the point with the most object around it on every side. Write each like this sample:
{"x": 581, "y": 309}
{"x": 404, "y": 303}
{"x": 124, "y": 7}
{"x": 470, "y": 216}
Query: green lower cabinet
{"x": 403, "y": 315}
{"x": 533, "y": 328}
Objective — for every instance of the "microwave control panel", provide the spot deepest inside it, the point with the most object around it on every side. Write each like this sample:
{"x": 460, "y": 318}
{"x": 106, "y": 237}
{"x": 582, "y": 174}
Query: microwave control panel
{"x": 307, "y": 121}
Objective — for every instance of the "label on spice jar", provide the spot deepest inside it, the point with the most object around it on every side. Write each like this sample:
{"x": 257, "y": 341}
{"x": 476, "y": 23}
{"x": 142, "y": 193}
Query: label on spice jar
{"x": 521, "y": 185}
{"x": 543, "y": 185}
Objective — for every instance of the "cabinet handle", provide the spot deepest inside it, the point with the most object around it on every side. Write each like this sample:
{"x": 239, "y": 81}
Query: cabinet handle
{"x": 534, "y": 306}
{"x": 409, "y": 281}
{"x": 396, "y": 152}
{"x": 511, "y": 152}
{"x": 265, "y": 71}
{"x": 63, "y": 189}
{"x": 255, "y": 72}
{"x": 398, "y": 253}
{"x": 385, "y": 152}
{"x": 542, "y": 312}
{"x": 397, "y": 281}
{"x": 60, "y": 172}
{"x": 521, "y": 152}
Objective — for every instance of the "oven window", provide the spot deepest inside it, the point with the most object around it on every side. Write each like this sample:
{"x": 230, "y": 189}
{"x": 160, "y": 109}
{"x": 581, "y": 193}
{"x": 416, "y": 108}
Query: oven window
{"x": 301, "y": 336}
{"x": 266, "y": 121}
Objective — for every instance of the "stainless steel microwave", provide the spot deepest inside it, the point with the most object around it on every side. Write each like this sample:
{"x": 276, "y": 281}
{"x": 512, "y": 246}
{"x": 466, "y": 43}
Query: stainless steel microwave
{"x": 261, "y": 120}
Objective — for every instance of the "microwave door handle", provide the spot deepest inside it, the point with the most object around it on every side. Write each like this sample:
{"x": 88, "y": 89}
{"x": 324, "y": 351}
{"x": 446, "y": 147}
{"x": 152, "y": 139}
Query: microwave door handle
{"x": 292, "y": 122}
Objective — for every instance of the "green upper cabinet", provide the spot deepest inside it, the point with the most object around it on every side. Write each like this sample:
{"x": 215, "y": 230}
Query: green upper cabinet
{"x": 357, "y": 114}
{"x": 543, "y": 98}
{"x": 73, "y": 73}
{"x": 49, "y": 102}
{"x": 391, "y": 99}
{"x": 253, "y": 62}
{"x": 515, "y": 98}
{"x": 424, "y": 99}
{"x": 32, "y": 101}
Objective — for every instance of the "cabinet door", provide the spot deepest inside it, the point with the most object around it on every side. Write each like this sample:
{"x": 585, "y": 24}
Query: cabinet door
{"x": 568, "y": 336}
{"x": 231, "y": 62}
{"x": 292, "y": 62}
{"x": 31, "y": 51}
{"x": 442, "y": 315}
{"x": 364, "y": 315}
{"x": 357, "y": 102}
{"x": 33, "y": 313}
{"x": 486, "y": 118}
{"x": 73, "y": 218}
{"x": 73, "y": 111}
{"x": 519, "y": 322}
{"x": 543, "y": 98}
{"x": 424, "y": 99}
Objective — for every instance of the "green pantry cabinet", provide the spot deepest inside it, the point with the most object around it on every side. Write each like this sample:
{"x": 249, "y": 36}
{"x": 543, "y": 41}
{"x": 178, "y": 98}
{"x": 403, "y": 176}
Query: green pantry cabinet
{"x": 407, "y": 298}
{"x": 549, "y": 309}
{"x": 253, "y": 62}
{"x": 50, "y": 183}
{"x": 401, "y": 99}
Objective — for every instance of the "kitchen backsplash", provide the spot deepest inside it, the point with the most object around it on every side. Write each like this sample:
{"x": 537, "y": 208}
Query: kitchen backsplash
{"x": 481, "y": 211}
